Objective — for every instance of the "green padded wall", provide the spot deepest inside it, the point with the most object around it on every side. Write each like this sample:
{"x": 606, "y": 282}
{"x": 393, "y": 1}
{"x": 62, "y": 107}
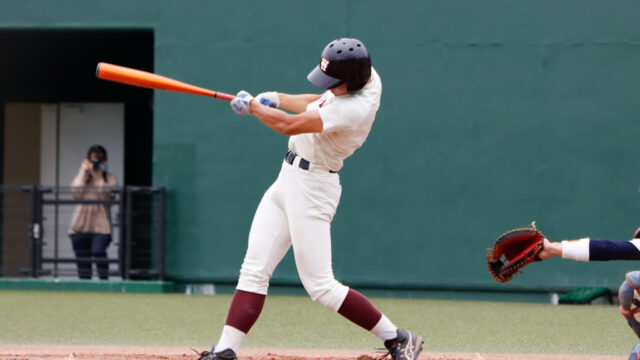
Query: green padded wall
{"x": 494, "y": 113}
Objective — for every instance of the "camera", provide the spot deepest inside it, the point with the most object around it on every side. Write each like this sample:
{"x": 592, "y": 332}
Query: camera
{"x": 96, "y": 164}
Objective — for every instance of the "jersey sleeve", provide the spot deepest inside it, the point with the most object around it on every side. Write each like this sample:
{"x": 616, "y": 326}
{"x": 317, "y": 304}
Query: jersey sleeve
{"x": 339, "y": 116}
{"x": 605, "y": 250}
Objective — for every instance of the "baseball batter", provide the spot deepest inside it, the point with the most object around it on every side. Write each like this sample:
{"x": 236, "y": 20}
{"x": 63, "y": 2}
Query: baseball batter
{"x": 297, "y": 210}
{"x": 587, "y": 249}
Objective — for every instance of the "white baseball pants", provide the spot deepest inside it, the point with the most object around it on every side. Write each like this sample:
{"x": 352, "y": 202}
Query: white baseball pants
{"x": 297, "y": 211}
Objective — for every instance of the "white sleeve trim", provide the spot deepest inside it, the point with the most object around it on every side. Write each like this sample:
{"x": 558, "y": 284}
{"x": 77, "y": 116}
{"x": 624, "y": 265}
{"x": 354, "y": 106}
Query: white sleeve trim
{"x": 576, "y": 249}
{"x": 636, "y": 243}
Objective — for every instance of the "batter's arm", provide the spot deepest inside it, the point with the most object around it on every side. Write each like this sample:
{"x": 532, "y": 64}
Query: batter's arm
{"x": 297, "y": 103}
{"x": 285, "y": 123}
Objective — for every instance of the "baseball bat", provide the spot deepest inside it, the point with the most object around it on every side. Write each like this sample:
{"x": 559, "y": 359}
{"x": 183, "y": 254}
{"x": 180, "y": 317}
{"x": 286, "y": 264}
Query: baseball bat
{"x": 129, "y": 76}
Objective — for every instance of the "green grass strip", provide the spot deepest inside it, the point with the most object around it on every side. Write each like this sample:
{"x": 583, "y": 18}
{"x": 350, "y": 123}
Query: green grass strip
{"x": 82, "y": 318}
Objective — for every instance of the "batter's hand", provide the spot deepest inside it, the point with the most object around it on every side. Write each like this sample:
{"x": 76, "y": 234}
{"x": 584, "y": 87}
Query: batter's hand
{"x": 269, "y": 98}
{"x": 241, "y": 104}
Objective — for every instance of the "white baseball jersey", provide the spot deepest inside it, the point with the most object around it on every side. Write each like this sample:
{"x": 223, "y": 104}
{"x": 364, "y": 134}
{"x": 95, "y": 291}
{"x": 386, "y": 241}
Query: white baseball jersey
{"x": 346, "y": 120}
{"x": 297, "y": 210}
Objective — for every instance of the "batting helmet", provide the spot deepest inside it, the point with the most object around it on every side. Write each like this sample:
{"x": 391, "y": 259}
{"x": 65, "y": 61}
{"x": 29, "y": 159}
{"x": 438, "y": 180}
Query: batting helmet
{"x": 343, "y": 61}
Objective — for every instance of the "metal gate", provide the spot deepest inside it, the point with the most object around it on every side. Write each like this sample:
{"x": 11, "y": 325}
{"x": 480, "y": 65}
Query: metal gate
{"x": 138, "y": 220}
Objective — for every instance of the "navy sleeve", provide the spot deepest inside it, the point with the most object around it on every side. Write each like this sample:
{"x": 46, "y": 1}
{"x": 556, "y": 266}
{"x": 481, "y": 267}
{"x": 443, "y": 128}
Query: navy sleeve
{"x": 604, "y": 250}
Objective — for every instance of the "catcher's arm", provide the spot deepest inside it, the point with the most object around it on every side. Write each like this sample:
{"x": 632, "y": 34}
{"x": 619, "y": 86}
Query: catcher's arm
{"x": 550, "y": 249}
{"x": 587, "y": 249}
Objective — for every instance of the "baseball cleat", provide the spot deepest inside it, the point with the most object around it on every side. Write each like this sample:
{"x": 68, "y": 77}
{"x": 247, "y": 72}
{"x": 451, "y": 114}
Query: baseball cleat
{"x": 407, "y": 346}
{"x": 226, "y": 354}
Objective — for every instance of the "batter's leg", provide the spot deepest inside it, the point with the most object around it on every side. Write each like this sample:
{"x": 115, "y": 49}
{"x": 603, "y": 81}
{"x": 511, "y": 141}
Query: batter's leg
{"x": 310, "y": 203}
{"x": 312, "y": 250}
{"x": 269, "y": 241}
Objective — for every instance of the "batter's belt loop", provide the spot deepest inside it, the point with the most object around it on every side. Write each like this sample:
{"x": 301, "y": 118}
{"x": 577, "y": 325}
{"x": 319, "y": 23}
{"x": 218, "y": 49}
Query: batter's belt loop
{"x": 304, "y": 164}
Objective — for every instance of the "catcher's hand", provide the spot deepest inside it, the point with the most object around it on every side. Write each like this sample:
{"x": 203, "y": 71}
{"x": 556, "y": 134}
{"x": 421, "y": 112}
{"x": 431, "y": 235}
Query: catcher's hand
{"x": 514, "y": 250}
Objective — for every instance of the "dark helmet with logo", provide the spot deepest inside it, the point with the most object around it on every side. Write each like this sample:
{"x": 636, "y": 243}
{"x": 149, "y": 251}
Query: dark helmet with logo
{"x": 343, "y": 61}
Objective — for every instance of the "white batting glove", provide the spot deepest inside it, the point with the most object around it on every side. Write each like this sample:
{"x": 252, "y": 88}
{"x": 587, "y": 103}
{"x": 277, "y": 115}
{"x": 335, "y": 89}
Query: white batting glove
{"x": 241, "y": 103}
{"x": 269, "y": 98}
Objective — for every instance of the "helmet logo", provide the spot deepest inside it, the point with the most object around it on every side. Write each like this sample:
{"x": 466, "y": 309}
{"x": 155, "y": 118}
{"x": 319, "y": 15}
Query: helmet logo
{"x": 324, "y": 64}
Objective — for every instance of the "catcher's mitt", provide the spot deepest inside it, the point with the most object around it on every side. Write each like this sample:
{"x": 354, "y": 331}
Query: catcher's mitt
{"x": 520, "y": 247}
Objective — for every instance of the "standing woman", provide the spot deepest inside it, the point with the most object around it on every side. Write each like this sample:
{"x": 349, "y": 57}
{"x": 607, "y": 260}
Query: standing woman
{"x": 90, "y": 228}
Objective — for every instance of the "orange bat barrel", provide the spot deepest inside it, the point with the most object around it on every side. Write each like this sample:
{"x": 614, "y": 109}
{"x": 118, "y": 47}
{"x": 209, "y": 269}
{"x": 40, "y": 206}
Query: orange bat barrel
{"x": 129, "y": 76}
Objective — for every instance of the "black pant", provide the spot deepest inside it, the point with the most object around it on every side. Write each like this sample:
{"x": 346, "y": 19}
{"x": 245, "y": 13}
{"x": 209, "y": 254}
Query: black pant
{"x": 90, "y": 245}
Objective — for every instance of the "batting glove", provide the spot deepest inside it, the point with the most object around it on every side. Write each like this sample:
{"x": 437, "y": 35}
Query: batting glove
{"x": 241, "y": 103}
{"x": 270, "y": 98}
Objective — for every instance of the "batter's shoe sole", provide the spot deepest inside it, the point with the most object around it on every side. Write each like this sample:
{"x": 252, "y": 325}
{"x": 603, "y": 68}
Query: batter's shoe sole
{"x": 226, "y": 354}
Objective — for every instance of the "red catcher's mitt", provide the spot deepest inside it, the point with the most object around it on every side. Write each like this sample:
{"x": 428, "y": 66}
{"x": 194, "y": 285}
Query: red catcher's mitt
{"x": 513, "y": 251}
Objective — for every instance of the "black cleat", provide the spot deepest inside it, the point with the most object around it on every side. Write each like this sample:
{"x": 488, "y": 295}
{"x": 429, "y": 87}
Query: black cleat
{"x": 407, "y": 346}
{"x": 226, "y": 354}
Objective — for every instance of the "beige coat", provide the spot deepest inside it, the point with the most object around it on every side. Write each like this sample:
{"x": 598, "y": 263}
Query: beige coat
{"x": 92, "y": 218}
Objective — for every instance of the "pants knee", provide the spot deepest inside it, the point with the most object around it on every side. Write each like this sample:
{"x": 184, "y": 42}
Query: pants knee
{"x": 330, "y": 292}
{"x": 254, "y": 281}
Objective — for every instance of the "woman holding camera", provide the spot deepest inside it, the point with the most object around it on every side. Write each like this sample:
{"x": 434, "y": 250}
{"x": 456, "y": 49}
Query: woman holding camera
{"x": 90, "y": 228}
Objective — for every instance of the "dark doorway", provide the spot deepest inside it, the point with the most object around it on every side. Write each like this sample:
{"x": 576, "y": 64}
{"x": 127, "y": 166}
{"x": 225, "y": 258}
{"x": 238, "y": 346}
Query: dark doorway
{"x": 58, "y": 67}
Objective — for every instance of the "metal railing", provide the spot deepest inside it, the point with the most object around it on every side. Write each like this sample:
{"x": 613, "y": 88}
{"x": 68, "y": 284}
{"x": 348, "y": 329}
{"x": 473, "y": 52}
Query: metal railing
{"x": 138, "y": 222}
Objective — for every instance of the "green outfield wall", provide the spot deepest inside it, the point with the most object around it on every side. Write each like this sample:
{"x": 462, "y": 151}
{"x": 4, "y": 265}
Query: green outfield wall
{"x": 494, "y": 114}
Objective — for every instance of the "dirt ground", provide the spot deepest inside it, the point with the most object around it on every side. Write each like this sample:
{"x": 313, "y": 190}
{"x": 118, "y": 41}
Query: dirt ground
{"x": 39, "y": 352}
